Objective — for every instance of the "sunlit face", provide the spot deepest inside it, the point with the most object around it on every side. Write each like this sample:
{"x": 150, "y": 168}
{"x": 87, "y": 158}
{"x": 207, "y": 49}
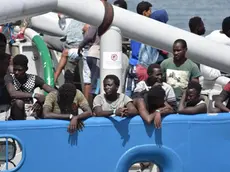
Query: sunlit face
{"x": 110, "y": 87}
{"x": 179, "y": 51}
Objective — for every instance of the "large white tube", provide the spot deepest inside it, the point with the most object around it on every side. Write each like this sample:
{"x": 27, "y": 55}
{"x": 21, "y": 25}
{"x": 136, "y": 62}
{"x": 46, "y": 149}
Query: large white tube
{"x": 151, "y": 32}
{"x": 131, "y": 24}
{"x": 12, "y": 10}
{"x": 111, "y": 55}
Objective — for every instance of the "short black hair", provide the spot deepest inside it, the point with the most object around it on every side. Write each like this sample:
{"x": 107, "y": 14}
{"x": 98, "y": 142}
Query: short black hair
{"x": 67, "y": 93}
{"x": 20, "y": 60}
{"x": 195, "y": 85}
{"x": 226, "y": 25}
{"x": 152, "y": 67}
{"x": 194, "y": 22}
{"x": 181, "y": 41}
{"x": 114, "y": 78}
{"x": 143, "y": 6}
{"x": 121, "y": 4}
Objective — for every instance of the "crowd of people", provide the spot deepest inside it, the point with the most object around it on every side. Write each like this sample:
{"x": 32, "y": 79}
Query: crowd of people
{"x": 156, "y": 84}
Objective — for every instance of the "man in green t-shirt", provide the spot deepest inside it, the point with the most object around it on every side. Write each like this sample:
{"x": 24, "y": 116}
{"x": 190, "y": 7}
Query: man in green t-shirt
{"x": 179, "y": 70}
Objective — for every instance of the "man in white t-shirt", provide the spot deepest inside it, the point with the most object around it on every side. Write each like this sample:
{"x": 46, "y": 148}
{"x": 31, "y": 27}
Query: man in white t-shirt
{"x": 222, "y": 37}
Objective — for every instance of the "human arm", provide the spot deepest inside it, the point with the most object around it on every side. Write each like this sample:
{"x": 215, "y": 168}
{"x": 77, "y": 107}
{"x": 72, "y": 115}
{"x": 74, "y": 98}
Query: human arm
{"x": 97, "y": 108}
{"x": 89, "y": 37}
{"x": 84, "y": 105}
{"x": 39, "y": 82}
{"x": 141, "y": 107}
{"x": 201, "y": 108}
{"x": 14, "y": 94}
{"x": 131, "y": 109}
{"x": 224, "y": 95}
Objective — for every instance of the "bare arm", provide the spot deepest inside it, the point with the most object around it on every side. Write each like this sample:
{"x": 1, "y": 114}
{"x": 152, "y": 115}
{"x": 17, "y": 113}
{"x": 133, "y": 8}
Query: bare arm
{"x": 224, "y": 95}
{"x": 167, "y": 109}
{"x": 140, "y": 104}
{"x": 202, "y": 108}
{"x": 87, "y": 112}
{"x": 14, "y": 94}
{"x": 89, "y": 37}
{"x": 100, "y": 113}
{"x": 48, "y": 114}
{"x": 48, "y": 88}
{"x": 132, "y": 111}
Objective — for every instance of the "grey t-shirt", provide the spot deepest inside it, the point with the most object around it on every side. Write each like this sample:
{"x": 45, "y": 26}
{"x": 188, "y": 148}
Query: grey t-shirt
{"x": 106, "y": 105}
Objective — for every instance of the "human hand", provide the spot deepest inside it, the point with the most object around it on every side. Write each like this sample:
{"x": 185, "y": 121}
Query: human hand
{"x": 157, "y": 120}
{"x": 75, "y": 124}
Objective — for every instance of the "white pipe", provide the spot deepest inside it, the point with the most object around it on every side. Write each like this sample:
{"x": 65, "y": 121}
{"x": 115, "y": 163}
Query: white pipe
{"x": 151, "y": 32}
{"x": 132, "y": 25}
{"x": 12, "y": 10}
{"x": 111, "y": 56}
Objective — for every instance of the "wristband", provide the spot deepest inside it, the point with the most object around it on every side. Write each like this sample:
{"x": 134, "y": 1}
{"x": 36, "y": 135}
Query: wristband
{"x": 70, "y": 116}
{"x": 158, "y": 110}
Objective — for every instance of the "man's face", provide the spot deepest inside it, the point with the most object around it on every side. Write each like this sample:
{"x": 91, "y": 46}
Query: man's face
{"x": 157, "y": 75}
{"x": 19, "y": 71}
{"x": 110, "y": 87}
{"x": 192, "y": 97}
{"x": 148, "y": 12}
{"x": 179, "y": 51}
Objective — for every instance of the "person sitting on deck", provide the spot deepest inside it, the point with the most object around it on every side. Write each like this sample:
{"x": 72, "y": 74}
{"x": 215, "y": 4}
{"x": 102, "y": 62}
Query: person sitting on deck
{"x": 151, "y": 105}
{"x": 191, "y": 102}
{"x": 21, "y": 86}
{"x": 64, "y": 103}
{"x": 220, "y": 99}
{"x": 113, "y": 103}
{"x": 155, "y": 78}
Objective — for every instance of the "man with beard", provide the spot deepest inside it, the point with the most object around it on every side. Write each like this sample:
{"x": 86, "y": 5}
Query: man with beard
{"x": 191, "y": 103}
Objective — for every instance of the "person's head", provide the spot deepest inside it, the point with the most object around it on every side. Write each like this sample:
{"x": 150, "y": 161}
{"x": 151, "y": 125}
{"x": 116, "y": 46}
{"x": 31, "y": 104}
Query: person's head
{"x": 193, "y": 93}
{"x": 20, "y": 66}
{"x": 226, "y": 26}
{"x": 66, "y": 95}
{"x": 155, "y": 98}
{"x": 111, "y": 84}
{"x": 196, "y": 25}
{"x": 121, "y": 4}
{"x": 179, "y": 49}
{"x": 154, "y": 73}
{"x": 3, "y": 43}
{"x": 160, "y": 15}
{"x": 144, "y": 8}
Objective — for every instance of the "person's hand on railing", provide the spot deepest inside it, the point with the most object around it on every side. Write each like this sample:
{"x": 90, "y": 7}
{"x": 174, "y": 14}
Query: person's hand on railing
{"x": 75, "y": 124}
